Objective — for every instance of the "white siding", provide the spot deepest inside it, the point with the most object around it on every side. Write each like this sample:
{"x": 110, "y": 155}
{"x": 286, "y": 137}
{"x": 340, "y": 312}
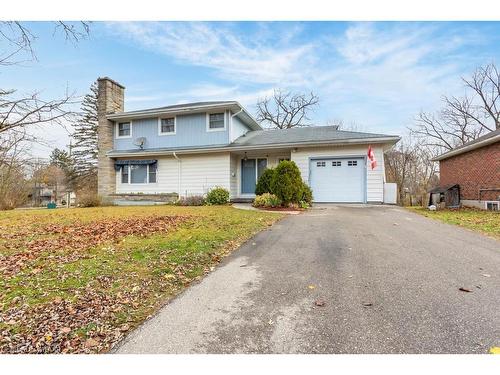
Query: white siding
{"x": 198, "y": 174}
{"x": 234, "y": 176}
{"x": 272, "y": 161}
{"x": 374, "y": 178}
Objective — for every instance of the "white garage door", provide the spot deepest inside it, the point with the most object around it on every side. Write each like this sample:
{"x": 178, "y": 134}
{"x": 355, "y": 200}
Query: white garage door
{"x": 338, "y": 180}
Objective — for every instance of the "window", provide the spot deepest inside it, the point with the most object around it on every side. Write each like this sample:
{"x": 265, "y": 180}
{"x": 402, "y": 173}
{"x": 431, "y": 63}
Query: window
{"x": 352, "y": 163}
{"x": 320, "y": 164}
{"x": 152, "y": 173}
{"x": 125, "y": 174}
{"x": 139, "y": 174}
{"x": 261, "y": 167}
{"x": 216, "y": 122}
{"x": 167, "y": 125}
{"x": 493, "y": 206}
{"x": 124, "y": 129}
{"x": 336, "y": 163}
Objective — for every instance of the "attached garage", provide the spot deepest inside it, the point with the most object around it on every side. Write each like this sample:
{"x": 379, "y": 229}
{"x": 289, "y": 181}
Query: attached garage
{"x": 340, "y": 180}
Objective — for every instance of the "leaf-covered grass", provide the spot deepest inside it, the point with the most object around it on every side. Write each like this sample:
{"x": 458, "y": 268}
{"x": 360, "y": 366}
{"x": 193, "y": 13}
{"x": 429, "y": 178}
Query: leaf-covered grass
{"x": 77, "y": 280}
{"x": 487, "y": 222}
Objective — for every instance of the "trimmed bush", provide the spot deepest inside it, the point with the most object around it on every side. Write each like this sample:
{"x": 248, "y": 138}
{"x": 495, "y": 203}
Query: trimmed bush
{"x": 264, "y": 183}
{"x": 287, "y": 183}
{"x": 306, "y": 194}
{"x": 193, "y": 200}
{"x": 266, "y": 200}
{"x": 218, "y": 195}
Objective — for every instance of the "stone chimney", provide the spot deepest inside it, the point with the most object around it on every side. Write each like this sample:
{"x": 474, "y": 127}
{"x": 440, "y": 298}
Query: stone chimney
{"x": 110, "y": 100}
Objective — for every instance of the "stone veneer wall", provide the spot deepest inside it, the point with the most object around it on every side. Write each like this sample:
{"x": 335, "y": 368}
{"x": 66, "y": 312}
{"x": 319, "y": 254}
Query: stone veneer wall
{"x": 110, "y": 100}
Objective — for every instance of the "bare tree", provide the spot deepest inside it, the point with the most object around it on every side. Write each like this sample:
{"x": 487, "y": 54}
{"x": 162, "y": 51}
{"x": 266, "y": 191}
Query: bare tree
{"x": 20, "y": 39}
{"x": 464, "y": 119}
{"x": 13, "y": 182}
{"x": 409, "y": 165}
{"x": 285, "y": 110}
{"x": 20, "y": 112}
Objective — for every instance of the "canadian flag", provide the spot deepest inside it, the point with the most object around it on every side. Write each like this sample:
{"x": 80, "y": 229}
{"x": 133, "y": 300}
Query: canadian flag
{"x": 371, "y": 157}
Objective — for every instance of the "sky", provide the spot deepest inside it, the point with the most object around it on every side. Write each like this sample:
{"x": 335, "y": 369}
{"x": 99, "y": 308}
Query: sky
{"x": 376, "y": 76}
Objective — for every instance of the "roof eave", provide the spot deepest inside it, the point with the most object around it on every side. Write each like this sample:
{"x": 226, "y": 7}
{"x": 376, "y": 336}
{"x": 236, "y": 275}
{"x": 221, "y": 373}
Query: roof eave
{"x": 465, "y": 149}
{"x": 159, "y": 112}
{"x": 235, "y": 106}
{"x": 384, "y": 140}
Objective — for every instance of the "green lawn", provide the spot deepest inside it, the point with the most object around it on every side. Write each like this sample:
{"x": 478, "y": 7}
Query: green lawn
{"x": 487, "y": 222}
{"x": 77, "y": 280}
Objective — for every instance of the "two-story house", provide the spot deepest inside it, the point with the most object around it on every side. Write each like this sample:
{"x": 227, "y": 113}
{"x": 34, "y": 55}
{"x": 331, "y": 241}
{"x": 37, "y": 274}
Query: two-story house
{"x": 159, "y": 154}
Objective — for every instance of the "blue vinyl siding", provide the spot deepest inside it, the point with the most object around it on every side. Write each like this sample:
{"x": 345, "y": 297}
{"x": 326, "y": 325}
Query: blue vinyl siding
{"x": 239, "y": 128}
{"x": 191, "y": 130}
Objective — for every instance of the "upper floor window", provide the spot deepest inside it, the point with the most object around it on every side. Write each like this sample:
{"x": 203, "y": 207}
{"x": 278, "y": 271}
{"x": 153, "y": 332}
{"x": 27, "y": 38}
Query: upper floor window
{"x": 216, "y": 122}
{"x": 167, "y": 126}
{"x": 123, "y": 130}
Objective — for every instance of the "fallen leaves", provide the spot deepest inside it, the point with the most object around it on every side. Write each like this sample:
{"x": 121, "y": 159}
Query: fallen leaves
{"x": 462, "y": 289}
{"x": 74, "y": 237}
{"x": 319, "y": 303}
{"x": 71, "y": 285}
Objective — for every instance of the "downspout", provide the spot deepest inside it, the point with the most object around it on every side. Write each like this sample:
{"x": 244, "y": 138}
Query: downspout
{"x": 178, "y": 174}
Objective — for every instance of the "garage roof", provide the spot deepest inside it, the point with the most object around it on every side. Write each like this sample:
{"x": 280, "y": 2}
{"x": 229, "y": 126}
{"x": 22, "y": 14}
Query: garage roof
{"x": 312, "y": 134}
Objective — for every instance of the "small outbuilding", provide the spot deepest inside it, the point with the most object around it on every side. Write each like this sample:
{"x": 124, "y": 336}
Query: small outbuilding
{"x": 445, "y": 196}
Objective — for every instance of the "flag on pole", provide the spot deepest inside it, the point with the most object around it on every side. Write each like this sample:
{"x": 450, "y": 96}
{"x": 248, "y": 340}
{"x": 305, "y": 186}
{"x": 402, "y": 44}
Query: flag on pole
{"x": 371, "y": 157}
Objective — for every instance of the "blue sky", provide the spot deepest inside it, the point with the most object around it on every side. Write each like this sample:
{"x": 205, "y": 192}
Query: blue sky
{"x": 375, "y": 75}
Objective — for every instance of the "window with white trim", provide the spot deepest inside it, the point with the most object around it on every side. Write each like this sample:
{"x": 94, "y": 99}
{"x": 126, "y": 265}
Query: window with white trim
{"x": 216, "y": 121}
{"x": 167, "y": 125}
{"x": 139, "y": 174}
{"x": 124, "y": 129}
{"x": 352, "y": 163}
{"x": 336, "y": 163}
{"x": 320, "y": 164}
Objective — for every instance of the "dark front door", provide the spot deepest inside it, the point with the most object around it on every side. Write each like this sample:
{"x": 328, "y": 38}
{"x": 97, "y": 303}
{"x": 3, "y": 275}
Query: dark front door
{"x": 248, "y": 176}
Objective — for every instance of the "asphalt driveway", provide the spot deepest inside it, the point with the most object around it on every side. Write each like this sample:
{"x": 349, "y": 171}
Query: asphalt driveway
{"x": 389, "y": 280}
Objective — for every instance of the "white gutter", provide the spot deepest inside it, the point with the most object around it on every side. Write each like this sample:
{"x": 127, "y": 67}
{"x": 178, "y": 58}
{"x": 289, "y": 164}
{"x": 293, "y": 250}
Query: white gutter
{"x": 259, "y": 147}
{"x": 237, "y": 113}
{"x": 471, "y": 147}
{"x": 179, "y": 173}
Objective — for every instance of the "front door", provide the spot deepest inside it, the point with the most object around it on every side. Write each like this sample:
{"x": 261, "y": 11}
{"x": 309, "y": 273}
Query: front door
{"x": 248, "y": 176}
{"x": 251, "y": 170}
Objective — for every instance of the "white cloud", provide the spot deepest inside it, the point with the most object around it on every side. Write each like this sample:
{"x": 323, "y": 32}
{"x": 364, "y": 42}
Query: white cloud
{"x": 372, "y": 73}
{"x": 232, "y": 55}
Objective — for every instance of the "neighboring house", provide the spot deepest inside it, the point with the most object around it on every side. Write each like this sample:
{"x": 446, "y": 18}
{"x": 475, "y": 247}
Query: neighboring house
{"x": 186, "y": 149}
{"x": 475, "y": 168}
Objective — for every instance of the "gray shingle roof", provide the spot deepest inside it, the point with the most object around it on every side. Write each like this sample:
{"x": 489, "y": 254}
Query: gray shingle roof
{"x": 303, "y": 135}
{"x": 183, "y": 105}
{"x": 482, "y": 141}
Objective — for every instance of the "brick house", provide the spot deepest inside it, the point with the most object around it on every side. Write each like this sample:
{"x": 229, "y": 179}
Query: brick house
{"x": 475, "y": 167}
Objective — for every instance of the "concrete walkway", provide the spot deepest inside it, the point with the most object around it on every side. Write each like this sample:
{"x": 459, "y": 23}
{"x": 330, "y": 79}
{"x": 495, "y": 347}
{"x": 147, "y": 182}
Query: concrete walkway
{"x": 387, "y": 281}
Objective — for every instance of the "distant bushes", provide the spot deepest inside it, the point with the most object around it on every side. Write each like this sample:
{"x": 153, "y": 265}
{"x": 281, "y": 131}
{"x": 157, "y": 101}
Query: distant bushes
{"x": 285, "y": 183}
{"x": 192, "y": 200}
{"x": 88, "y": 199}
